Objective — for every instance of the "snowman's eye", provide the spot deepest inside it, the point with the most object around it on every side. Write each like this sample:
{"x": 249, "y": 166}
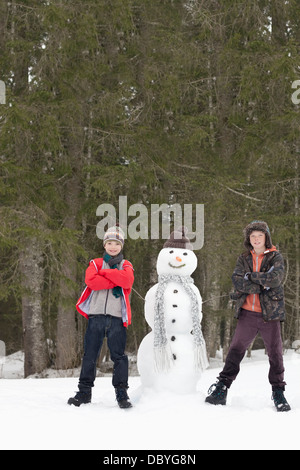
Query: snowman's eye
{"x": 184, "y": 254}
{"x": 171, "y": 251}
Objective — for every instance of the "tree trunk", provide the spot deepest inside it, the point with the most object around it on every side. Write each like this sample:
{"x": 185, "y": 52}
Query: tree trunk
{"x": 35, "y": 347}
{"x": 3, "y": 19}
{"x": 66, "y": 344}
{"x": 66, "y": 337}
{"x": 297, "y": 247}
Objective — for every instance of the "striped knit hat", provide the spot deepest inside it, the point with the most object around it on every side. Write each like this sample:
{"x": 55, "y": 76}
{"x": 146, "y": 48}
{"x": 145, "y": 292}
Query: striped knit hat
{"x": 114, "y": 233}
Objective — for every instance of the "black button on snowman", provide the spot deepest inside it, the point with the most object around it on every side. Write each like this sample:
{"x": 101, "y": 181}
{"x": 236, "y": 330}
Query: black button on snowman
{"x": 170, "y": 357}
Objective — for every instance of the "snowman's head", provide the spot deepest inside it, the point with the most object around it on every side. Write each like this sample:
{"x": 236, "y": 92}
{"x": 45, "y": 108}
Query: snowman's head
{"x": 179, "y": 261}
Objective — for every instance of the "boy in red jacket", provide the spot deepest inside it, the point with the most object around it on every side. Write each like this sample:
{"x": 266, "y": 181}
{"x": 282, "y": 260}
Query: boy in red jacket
{"x": 105, "y": 302}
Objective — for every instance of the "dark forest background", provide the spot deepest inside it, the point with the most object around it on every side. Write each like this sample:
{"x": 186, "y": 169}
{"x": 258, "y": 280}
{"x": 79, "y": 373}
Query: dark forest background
{"x": 162, "y": 101}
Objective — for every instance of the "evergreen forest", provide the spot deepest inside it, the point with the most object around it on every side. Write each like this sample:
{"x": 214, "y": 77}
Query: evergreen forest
{"x": 161, "y": 101}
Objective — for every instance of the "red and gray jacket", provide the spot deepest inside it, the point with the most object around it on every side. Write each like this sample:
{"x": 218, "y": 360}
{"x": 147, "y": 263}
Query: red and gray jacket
{"x": 97, "y": 278}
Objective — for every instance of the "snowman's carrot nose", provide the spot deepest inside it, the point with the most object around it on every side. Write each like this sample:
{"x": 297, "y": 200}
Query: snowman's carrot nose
{"x": 178, "y": 259}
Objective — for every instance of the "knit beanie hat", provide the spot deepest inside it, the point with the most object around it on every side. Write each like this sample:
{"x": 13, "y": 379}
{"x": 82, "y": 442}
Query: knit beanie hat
{"x": 178, "y": 239}
{"x": 114, "y": 233}
{"x": 257, "y": 225}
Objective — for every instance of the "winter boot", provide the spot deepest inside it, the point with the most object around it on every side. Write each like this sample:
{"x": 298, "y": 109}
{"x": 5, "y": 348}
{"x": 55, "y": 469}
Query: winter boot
{"x": 217, "y": 396}
{"x": 280, "y": 400}
{"x": 122, "y": 397}
{"x": 81, "y": 398}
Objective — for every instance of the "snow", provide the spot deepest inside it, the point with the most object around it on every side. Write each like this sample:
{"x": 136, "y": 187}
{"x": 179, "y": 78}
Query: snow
{"x": 35, "y": 415}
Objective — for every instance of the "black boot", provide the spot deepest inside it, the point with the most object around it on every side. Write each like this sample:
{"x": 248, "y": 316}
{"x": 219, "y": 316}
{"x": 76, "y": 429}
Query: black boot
{"x": 81, "y": 398}
{"x": 280, "y": 400}
{"x": 217, "y": 396}
{"x": 122, "y": 397}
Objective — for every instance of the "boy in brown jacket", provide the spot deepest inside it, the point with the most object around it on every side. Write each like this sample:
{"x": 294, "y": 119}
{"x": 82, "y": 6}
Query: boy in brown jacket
{"x": 259, "y": 296}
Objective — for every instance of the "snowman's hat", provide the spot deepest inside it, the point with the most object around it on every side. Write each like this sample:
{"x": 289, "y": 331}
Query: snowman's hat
{"x": 178, "y": 239}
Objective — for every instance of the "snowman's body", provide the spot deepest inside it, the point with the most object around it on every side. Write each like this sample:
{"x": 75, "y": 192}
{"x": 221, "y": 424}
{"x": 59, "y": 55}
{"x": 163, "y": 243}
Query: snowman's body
{"x": 181, "y": 376}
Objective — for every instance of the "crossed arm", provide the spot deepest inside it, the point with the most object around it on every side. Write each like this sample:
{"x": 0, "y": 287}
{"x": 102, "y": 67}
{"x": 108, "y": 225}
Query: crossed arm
{"x": 98, "y": 279}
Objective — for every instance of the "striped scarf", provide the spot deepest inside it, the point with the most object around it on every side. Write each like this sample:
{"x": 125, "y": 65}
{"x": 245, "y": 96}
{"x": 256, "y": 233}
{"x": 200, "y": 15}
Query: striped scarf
{"x": 162, "y": 353}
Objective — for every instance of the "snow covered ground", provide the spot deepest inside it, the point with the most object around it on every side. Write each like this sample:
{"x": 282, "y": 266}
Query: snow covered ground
{"x": 34, "y": 413}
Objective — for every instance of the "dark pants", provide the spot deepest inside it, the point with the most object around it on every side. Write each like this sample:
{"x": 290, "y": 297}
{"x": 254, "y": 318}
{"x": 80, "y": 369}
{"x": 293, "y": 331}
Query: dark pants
{"x": 99, "y": 327}
{"x": 248, "y": 326}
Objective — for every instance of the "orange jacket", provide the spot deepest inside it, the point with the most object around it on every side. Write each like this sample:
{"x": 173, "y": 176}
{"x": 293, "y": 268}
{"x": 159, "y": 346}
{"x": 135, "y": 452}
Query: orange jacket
{"x": 252, "y": 302}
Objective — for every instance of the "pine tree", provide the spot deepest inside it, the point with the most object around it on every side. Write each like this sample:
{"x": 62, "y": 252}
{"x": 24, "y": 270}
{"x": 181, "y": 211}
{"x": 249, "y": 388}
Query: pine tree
{"x": 164, "y": 102}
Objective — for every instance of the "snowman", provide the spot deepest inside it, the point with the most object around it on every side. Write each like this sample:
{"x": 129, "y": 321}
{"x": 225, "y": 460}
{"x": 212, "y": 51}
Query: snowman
{"x": 173, "y": 355}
